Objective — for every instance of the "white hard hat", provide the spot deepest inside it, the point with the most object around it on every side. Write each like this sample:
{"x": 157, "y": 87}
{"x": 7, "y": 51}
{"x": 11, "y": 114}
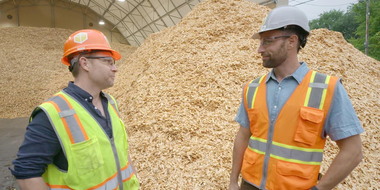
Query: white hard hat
{"x": 283, "y": 16}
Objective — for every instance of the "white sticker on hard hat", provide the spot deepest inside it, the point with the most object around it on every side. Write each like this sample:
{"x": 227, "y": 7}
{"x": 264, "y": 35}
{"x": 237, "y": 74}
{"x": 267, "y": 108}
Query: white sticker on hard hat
{"x": 80, "y": 37}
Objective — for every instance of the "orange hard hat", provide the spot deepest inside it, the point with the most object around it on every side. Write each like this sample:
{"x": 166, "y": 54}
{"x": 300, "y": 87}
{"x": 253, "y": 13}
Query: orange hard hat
{"x": 86, "y": 40}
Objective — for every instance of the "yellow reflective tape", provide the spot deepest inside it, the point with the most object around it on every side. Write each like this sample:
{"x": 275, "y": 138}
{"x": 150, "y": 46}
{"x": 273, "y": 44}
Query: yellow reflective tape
{"x": 297, "y": 148}
{"x": 307, "y": 97}
{"x": 313, "y": 76}
{"x": 327, "y": 81}
{"x": 257, "y": 151}
{"x": 254, "y": 97}
{"x": 257, "y": 89}
{"x": 262, "y": 77}
{"x": 246, "y": 93}
{"x": 309, "y": 89}
{"x": 295, "y": 161}
{"x": 288, "y": 146}
{"x": 258, "y": 139}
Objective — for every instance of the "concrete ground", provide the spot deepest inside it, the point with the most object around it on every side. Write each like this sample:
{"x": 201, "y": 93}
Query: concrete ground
{"x": 11, "y": 136}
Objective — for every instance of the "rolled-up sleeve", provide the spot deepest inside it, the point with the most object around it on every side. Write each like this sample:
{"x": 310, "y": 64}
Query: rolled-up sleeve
{"x": 38, "y": 149}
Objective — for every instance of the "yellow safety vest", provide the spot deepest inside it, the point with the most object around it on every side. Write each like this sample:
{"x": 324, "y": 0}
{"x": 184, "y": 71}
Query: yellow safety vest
{"x": 95, "y": 161}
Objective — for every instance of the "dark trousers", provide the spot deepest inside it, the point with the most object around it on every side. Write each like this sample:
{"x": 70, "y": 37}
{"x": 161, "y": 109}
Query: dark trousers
{"x": 246, "y": 186}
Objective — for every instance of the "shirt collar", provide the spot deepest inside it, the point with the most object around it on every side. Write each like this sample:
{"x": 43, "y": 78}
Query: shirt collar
{"x": 298, "y": 75}
{"x": 80, "y": 92}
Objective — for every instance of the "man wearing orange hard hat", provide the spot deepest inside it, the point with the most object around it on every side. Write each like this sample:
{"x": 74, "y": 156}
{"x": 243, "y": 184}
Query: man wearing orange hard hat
{"x": 76, "y": 139}
{"x": 286, "y": 115}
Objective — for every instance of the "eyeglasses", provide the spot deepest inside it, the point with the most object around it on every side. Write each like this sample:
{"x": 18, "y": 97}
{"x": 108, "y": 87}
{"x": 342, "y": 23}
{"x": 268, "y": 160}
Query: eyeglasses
{"x": 268, "y": 41}
{"x": 109, "y": 60}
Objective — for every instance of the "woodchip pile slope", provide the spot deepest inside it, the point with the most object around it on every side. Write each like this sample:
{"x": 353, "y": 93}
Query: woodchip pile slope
{"x": 31, "y": 68}
{"x": 180, "y": 107}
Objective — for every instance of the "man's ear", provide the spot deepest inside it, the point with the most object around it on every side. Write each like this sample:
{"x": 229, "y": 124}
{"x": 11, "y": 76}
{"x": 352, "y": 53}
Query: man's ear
{"x": 293, "y": 42}
{"x": 83, "y": 63}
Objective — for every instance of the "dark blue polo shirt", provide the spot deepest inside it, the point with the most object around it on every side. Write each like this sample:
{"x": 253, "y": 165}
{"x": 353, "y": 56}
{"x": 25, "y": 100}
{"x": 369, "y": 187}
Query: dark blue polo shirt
{"x": 41, "y": 146}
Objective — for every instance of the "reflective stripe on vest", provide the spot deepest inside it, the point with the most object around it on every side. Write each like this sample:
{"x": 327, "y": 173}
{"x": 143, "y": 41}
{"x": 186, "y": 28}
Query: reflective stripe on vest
{"x": 70, "y": 119}
{"x": 113, "y": 103}
{"x": 286, "y": 152}
{"x": 110, "y": 183}
{"x": 316, "y": 93}
{"x": 58, "y": 187}
{"x": 252, "y": 90}
{"x": 315, "y": 98}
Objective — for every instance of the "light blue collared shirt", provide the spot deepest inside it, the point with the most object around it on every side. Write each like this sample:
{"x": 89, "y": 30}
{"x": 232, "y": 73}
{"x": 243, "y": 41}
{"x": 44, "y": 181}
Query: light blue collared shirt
{"x": 341, "y": 121}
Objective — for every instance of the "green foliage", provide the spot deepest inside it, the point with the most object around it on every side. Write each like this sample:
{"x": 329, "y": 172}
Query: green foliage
{"x": 352, "y": 25}
{"x": 336, "y": 20}
{"x": 360, "y": 10}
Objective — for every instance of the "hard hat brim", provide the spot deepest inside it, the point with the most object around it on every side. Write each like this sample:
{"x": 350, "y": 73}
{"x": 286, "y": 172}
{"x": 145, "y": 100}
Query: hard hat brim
{"x": 256, "y": 35}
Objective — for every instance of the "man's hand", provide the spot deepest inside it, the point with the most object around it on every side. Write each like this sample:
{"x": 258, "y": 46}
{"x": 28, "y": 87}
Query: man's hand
{"x": 234, "y": 186}
{"x": 349, "y": 156}
{"x": 240, "y": 144}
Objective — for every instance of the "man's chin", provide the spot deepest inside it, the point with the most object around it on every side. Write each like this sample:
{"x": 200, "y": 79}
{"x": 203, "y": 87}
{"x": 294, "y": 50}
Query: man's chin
{"x": 266, "y": 65}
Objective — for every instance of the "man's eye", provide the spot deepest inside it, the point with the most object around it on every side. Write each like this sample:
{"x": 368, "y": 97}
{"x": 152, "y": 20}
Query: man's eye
{"x": 109, "y": 61}
{"x": 267, "y": 42}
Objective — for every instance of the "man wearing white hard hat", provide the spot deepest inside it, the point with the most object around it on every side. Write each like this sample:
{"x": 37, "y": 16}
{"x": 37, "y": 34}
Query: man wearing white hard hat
{"x": 286, "y": 115}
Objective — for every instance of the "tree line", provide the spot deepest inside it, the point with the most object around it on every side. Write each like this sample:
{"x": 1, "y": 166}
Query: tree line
{"x": 352, "y": 24}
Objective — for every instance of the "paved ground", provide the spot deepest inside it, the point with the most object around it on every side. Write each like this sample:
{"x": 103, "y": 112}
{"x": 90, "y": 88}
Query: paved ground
{"x": 11, "y": 136}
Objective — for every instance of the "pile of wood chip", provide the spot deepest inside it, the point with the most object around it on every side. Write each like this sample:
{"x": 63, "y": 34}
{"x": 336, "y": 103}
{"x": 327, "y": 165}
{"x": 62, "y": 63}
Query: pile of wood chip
{"x": 180, "y": 90}
{"x": 31, "y": 68}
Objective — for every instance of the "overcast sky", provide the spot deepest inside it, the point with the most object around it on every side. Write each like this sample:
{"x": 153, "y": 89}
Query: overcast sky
{"x": 313, "y": 8}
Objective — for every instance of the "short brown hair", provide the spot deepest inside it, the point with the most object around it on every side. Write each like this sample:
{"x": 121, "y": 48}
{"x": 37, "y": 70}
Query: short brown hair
{"x": 300, "y": 32}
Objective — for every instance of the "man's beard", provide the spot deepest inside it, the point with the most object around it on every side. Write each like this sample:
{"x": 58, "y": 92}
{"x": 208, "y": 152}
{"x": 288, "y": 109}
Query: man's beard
{"x": 276, "y": 59}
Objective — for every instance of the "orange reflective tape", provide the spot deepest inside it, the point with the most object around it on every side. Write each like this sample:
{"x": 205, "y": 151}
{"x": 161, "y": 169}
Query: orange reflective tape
{"x": 128, "y": 177}
{"x": 115, "y": 111}
{"x": 104, "y": 182}
{"x": 60, "y": 95}
{"x": 81, "y": 127}
{"x": 64, "y": 122}
{"x": 125, "y": 167}
{"x": 58, "y": 186}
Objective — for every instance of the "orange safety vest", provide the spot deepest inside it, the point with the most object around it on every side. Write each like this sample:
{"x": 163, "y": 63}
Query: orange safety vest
{"x": 287, "y": 153}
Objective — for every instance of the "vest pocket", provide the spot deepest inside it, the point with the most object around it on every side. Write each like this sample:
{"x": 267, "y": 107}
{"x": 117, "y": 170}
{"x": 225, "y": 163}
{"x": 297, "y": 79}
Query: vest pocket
{"x": 309, "y": 125}
{"x": 252, "y": 166}
{"x": 253, "y": 115}
{"x": 87, "y": 156}
{"x": 250, "y": 156}
{"x": 294, "y": 175}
